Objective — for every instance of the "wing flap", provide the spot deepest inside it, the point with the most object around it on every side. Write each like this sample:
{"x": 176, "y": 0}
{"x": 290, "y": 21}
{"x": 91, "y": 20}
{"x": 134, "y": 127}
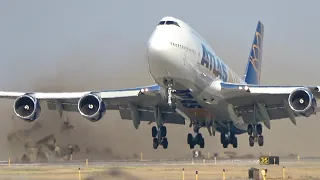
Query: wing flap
{"x": 145, "y": 114}
{"x": 170, "y": 117}
{"x": 274, "y": 114}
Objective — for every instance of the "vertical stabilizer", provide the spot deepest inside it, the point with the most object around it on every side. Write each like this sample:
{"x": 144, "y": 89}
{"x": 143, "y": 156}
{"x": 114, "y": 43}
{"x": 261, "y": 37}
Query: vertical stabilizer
{"x": 253, "y": 71}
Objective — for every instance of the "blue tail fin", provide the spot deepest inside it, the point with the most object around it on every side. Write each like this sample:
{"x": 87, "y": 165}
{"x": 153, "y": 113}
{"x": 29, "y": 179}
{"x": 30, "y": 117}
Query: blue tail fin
{"x": 253, "y": 71}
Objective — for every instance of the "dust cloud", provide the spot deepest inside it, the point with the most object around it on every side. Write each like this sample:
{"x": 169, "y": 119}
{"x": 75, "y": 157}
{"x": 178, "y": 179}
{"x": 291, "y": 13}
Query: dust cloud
{"x": 111, "y": 137}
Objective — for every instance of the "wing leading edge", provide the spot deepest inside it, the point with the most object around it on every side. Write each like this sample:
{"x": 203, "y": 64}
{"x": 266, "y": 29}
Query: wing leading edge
{"x": 144, "y": 99}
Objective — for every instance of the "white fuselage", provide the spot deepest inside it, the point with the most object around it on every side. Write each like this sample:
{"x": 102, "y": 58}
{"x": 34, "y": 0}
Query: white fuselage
{"x": 176, "y": 51}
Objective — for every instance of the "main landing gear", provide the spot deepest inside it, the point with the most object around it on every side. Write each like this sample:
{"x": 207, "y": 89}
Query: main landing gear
{"x": 228, "y": 138}
{"x": 159, "y": 137}
{"x": 255, "y": 134}
{"x": 197, "y": 139}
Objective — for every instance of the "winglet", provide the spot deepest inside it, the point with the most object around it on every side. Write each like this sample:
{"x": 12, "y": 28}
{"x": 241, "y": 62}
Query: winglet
{"x": 253, "y": 71}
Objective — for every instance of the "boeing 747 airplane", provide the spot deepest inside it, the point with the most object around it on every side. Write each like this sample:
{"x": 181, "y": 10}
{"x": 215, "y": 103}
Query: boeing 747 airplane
{"x": 192, "y": 85}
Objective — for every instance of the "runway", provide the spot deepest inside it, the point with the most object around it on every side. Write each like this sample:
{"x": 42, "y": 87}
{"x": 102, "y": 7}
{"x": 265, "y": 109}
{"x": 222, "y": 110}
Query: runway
{"x": 157, "y": 169}
{"x": 136, "y": 163}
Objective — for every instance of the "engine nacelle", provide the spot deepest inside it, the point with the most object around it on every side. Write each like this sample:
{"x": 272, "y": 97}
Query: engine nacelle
{"x": 302, "y": 102}
{"x": 91, "y": 107}
{"x": 27, "y": 108}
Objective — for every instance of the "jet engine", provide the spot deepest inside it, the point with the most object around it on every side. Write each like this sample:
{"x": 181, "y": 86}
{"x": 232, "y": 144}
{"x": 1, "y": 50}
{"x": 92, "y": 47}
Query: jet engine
{"x": 91, "y": 107}
{"x": 27, "y": 107}
{"x": 302, "y": 102}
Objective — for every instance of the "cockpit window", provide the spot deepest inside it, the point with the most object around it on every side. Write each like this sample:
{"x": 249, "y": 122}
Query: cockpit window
{"x": 168, "y": 23}
{"x": 172, "y": 23}
{"x": 161, "y": 23}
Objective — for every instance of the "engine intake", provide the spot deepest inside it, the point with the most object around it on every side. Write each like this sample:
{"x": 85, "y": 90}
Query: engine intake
{"x": 91, "y": 107}
{"x": 302, "y": 102}
{"x": 27, "y": 108}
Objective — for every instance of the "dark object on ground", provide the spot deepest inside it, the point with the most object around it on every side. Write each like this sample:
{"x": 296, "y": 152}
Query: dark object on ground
{"x": 254, "y": 174}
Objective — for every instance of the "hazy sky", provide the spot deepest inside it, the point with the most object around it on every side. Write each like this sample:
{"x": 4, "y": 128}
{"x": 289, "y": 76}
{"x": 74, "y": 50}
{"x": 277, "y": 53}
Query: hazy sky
{"x": 38, "y": 37}
{"x": 85, "y": 45}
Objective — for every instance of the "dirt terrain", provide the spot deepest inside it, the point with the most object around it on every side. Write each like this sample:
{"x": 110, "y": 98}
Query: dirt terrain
{"x": 302, "y": 170}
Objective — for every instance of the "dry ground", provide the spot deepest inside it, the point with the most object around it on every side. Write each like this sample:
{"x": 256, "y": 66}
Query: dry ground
{"x": 209, "y": 171}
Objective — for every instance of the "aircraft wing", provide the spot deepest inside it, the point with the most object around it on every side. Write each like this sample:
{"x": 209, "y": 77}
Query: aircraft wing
{"x": 143, "y": 98}
{"x": 274, "y": 99}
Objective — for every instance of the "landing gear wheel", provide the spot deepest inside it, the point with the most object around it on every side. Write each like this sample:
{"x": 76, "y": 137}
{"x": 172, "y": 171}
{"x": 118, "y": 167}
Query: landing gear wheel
{"x": 191, "y": 145}
{"x": 201, "y": 143}
{"x": 259, "y": 129}
{"x": 189, "y": 138}
{"x": 198, "y": 138}
{"x": 250, "y": 129}
{"x": 260, "y": 140}
{"x": 222, "y": 138}
{"x": 235, "y": 142}
{"x": 165, "y": 143}
{"x": 251, "y": 141}
{"x": 163, "y": 131}
{"x": 154, "y": 131}
{"x": 232, "y": 137}
{"x": 155, "y": 143}
{"x": 225, "y": 145}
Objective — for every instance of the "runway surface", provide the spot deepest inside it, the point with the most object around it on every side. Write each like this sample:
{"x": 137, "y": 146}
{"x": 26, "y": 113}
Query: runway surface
{"x": 163, "y": 162}
{"x": 159, "y": 169}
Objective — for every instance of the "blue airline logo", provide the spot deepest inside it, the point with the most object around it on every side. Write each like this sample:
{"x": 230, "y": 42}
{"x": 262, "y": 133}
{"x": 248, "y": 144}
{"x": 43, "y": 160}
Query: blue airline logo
{"x": 214, "y": 64}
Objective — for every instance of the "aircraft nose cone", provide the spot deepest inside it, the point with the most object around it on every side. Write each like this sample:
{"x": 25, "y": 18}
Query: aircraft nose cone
{"x": 157, "y": 45}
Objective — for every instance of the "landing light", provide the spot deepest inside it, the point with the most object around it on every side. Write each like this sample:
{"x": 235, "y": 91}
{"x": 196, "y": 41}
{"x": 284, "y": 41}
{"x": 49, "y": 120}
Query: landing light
{"x": 144, "y": 90}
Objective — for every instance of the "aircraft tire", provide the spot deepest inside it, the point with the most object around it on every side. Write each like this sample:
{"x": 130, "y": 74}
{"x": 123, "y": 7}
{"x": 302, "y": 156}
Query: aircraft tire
{"x": 155, "y": 143}
{"x": 191, "y": 146}
{"x": 259, "y": 129}
{"x": 250, "y": 129}
{"x": 260, "y": 140}
{"x": 154, "y": 131}
{"x": 189, "y": 138}
{"x": 163, "y": 131}
{"x": 235, "y": 142}
{"x": 201, "y": 143}
{"x": 225, "y": 145}
{"x": 198, "y": 138}
{"x": 222, "y": 138}
{"x": 251, "y": 141}
{"x": 165, "y": 143}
